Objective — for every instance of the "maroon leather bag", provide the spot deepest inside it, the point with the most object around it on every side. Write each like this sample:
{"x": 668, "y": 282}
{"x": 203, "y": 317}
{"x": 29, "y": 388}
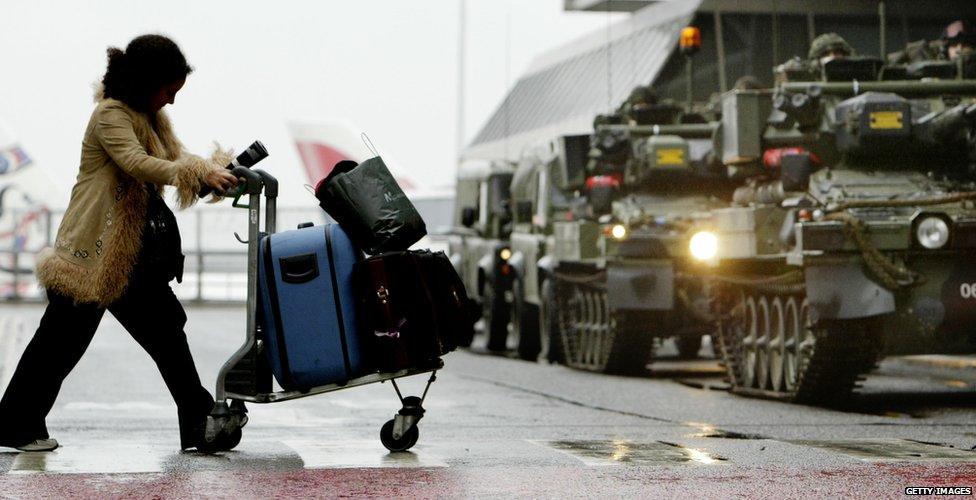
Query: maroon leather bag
{"x": 414, "y": 308}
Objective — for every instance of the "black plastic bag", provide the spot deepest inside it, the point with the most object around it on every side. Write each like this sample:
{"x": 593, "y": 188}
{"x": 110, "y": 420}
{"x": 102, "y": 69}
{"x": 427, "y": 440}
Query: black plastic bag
{"x": 368, "y": 203}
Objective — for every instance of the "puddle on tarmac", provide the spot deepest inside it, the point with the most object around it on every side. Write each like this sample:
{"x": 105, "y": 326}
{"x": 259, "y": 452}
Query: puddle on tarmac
{"x": 891, "y": 449}
{"x": 623, "y": 451}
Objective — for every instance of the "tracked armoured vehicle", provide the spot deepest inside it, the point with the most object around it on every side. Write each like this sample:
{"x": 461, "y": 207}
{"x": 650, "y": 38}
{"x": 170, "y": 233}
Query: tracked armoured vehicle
{"x": 600, "y": 238}
{"x": 855, "y": 235}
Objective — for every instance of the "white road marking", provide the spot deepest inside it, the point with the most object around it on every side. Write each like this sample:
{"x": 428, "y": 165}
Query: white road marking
{"x": 102, "y": 458}
{"x": 360, "y": 454}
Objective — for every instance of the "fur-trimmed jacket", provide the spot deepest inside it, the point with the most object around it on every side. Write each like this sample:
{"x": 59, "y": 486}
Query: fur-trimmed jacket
{"x": 100, "y": 237}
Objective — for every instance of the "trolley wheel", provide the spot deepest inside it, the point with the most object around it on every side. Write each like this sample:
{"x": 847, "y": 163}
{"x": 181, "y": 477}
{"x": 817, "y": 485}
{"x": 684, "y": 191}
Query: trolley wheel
{"x": 405, "y": 442}
{"x": 224, "y": 442}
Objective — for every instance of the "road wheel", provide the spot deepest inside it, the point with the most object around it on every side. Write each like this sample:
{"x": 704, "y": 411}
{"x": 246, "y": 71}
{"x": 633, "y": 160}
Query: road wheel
{"x": 776, "y": 351}
{"x": 793, "y": 328}
{"x": 496, "y": 318}
{"x": 525, "y": 324}
{"x": 688, "y": 346}
{"x": 762, "y": 344}
{"x": 550, "y": 338}
{"x": 749, "y": 341}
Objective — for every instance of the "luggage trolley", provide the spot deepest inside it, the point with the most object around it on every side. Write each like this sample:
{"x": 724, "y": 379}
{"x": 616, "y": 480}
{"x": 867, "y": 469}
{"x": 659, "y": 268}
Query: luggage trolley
{"x": 246, "y": 376}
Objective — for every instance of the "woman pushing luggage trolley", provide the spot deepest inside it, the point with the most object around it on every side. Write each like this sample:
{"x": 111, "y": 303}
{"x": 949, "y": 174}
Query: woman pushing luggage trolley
{"x": 321, "y": 319}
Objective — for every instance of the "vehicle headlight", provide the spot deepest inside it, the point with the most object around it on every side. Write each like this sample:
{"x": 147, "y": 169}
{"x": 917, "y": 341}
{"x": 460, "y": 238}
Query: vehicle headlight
{"x": 505, "y": 254}
{"x": 704, "y": 245}
{"x": 932, "y": 232}
{"x": 618, "y": 231}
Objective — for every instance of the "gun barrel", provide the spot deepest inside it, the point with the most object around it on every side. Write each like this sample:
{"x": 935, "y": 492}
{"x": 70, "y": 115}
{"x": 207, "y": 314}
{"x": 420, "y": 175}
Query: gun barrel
{"x": 688, "y": 131}
{"x": 903, "y": 88}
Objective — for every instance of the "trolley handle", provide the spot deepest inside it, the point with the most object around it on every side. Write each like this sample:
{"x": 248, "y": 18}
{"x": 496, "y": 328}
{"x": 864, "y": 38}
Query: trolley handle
{"x": 269, "y": 181}
{"x": 254, "y": 182}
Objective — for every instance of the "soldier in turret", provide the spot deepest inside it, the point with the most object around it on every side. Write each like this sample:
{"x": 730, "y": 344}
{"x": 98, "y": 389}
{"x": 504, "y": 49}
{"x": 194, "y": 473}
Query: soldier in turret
{"x": 827, "y": 47}
{"x": 958, "y": 39}
{"x": 823, "y": 49}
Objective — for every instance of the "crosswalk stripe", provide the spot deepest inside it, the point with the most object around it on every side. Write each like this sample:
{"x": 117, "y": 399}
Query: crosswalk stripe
{"x": 109, "y": 458}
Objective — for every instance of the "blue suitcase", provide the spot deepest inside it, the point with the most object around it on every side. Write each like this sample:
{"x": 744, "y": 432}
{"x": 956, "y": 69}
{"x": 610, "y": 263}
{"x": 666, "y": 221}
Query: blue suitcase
{"x": 308, "y": 308}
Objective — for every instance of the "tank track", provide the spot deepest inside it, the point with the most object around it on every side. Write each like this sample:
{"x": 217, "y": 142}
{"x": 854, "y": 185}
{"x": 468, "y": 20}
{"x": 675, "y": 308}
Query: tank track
{"x": 830, "y": 358}
{"x": 593, "y": 339}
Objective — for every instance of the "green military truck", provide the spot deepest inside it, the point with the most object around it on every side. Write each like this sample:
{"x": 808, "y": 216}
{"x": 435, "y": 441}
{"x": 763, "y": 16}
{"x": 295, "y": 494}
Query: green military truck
{"x": 478, "y": 244}
{"x": 855, "y": 236}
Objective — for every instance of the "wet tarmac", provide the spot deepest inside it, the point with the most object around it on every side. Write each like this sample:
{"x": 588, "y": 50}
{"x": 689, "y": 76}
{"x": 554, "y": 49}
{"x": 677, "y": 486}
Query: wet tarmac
{"x": 498, "y": 427}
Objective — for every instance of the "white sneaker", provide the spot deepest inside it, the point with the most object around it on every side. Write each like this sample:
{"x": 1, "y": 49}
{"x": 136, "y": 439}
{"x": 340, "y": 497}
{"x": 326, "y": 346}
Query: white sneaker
{"x": 40, "y": 445}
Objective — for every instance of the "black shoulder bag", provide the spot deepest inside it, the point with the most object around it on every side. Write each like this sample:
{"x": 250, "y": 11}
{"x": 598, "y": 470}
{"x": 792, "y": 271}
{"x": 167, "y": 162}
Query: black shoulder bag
{"x": 162, "y": 249}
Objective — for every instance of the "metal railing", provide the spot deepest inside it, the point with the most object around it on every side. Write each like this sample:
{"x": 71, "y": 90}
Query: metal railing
{"x": 215, "y": 266}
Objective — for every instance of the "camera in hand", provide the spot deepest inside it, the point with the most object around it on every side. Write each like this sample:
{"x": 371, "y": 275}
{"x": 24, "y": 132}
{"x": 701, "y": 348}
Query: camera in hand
{"x": 248, "y": 158}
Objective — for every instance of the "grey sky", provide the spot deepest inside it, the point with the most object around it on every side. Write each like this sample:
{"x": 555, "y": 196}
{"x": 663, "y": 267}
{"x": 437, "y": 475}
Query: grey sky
{"x": 387, "y": 65}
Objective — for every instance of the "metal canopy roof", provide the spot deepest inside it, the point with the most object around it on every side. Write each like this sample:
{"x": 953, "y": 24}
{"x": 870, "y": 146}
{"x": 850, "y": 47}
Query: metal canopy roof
{"x": 915, "y": 8}
{"x": 566, "y": 87}
{"x": 605, "y": 5}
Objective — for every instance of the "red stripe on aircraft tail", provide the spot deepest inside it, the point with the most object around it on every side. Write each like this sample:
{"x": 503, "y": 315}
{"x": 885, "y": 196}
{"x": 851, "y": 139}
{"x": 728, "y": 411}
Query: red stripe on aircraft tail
{"x": 318, "y": 159}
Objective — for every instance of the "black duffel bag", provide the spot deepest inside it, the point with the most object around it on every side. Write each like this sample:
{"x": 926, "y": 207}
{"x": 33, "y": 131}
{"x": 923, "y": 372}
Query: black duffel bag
{"x": 413, "y": 308}
{"x": 368, "y": 203}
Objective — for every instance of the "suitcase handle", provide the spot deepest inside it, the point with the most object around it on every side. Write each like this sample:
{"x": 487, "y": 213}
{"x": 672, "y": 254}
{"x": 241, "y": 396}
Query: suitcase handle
{"x": 299, "y": 269}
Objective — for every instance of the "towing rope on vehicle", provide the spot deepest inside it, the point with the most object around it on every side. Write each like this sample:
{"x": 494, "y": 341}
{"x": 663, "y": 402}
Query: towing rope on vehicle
{"x": 788, "y": 283}
{"x": 892, "y": 276}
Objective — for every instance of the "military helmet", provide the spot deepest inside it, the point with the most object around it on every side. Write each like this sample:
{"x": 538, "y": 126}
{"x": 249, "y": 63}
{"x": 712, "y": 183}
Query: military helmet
{"x": 959, "y": 32}
{"x": 642, "y": 95}
{"x": 829, "y": 42}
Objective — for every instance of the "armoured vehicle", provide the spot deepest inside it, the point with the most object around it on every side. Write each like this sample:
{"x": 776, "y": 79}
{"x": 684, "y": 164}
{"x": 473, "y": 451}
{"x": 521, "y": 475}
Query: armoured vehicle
{"x": 855, "y": 235}
{"x": 599, "y": 239}
{"x": 478, "y": 243}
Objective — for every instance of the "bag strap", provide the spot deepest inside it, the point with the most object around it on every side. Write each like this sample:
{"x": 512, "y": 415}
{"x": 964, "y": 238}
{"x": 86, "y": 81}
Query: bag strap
{"x": 369, "y": 144}
{"x": 337, "y": 300}
{"x": 381, "y": 280}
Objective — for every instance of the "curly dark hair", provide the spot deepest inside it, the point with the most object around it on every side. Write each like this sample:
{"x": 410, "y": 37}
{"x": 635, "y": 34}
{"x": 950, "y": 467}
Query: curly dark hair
{"x": 149, "y": 63}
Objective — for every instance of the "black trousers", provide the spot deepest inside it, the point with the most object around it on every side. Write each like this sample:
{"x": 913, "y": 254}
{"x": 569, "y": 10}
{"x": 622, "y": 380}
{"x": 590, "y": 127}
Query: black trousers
{"x": 150, "y": 312}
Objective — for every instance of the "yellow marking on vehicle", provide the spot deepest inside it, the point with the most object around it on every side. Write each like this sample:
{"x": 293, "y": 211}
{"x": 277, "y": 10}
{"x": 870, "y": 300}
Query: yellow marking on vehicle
{"x": 670, "y": 156}
{"x": 887, "y": 120}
